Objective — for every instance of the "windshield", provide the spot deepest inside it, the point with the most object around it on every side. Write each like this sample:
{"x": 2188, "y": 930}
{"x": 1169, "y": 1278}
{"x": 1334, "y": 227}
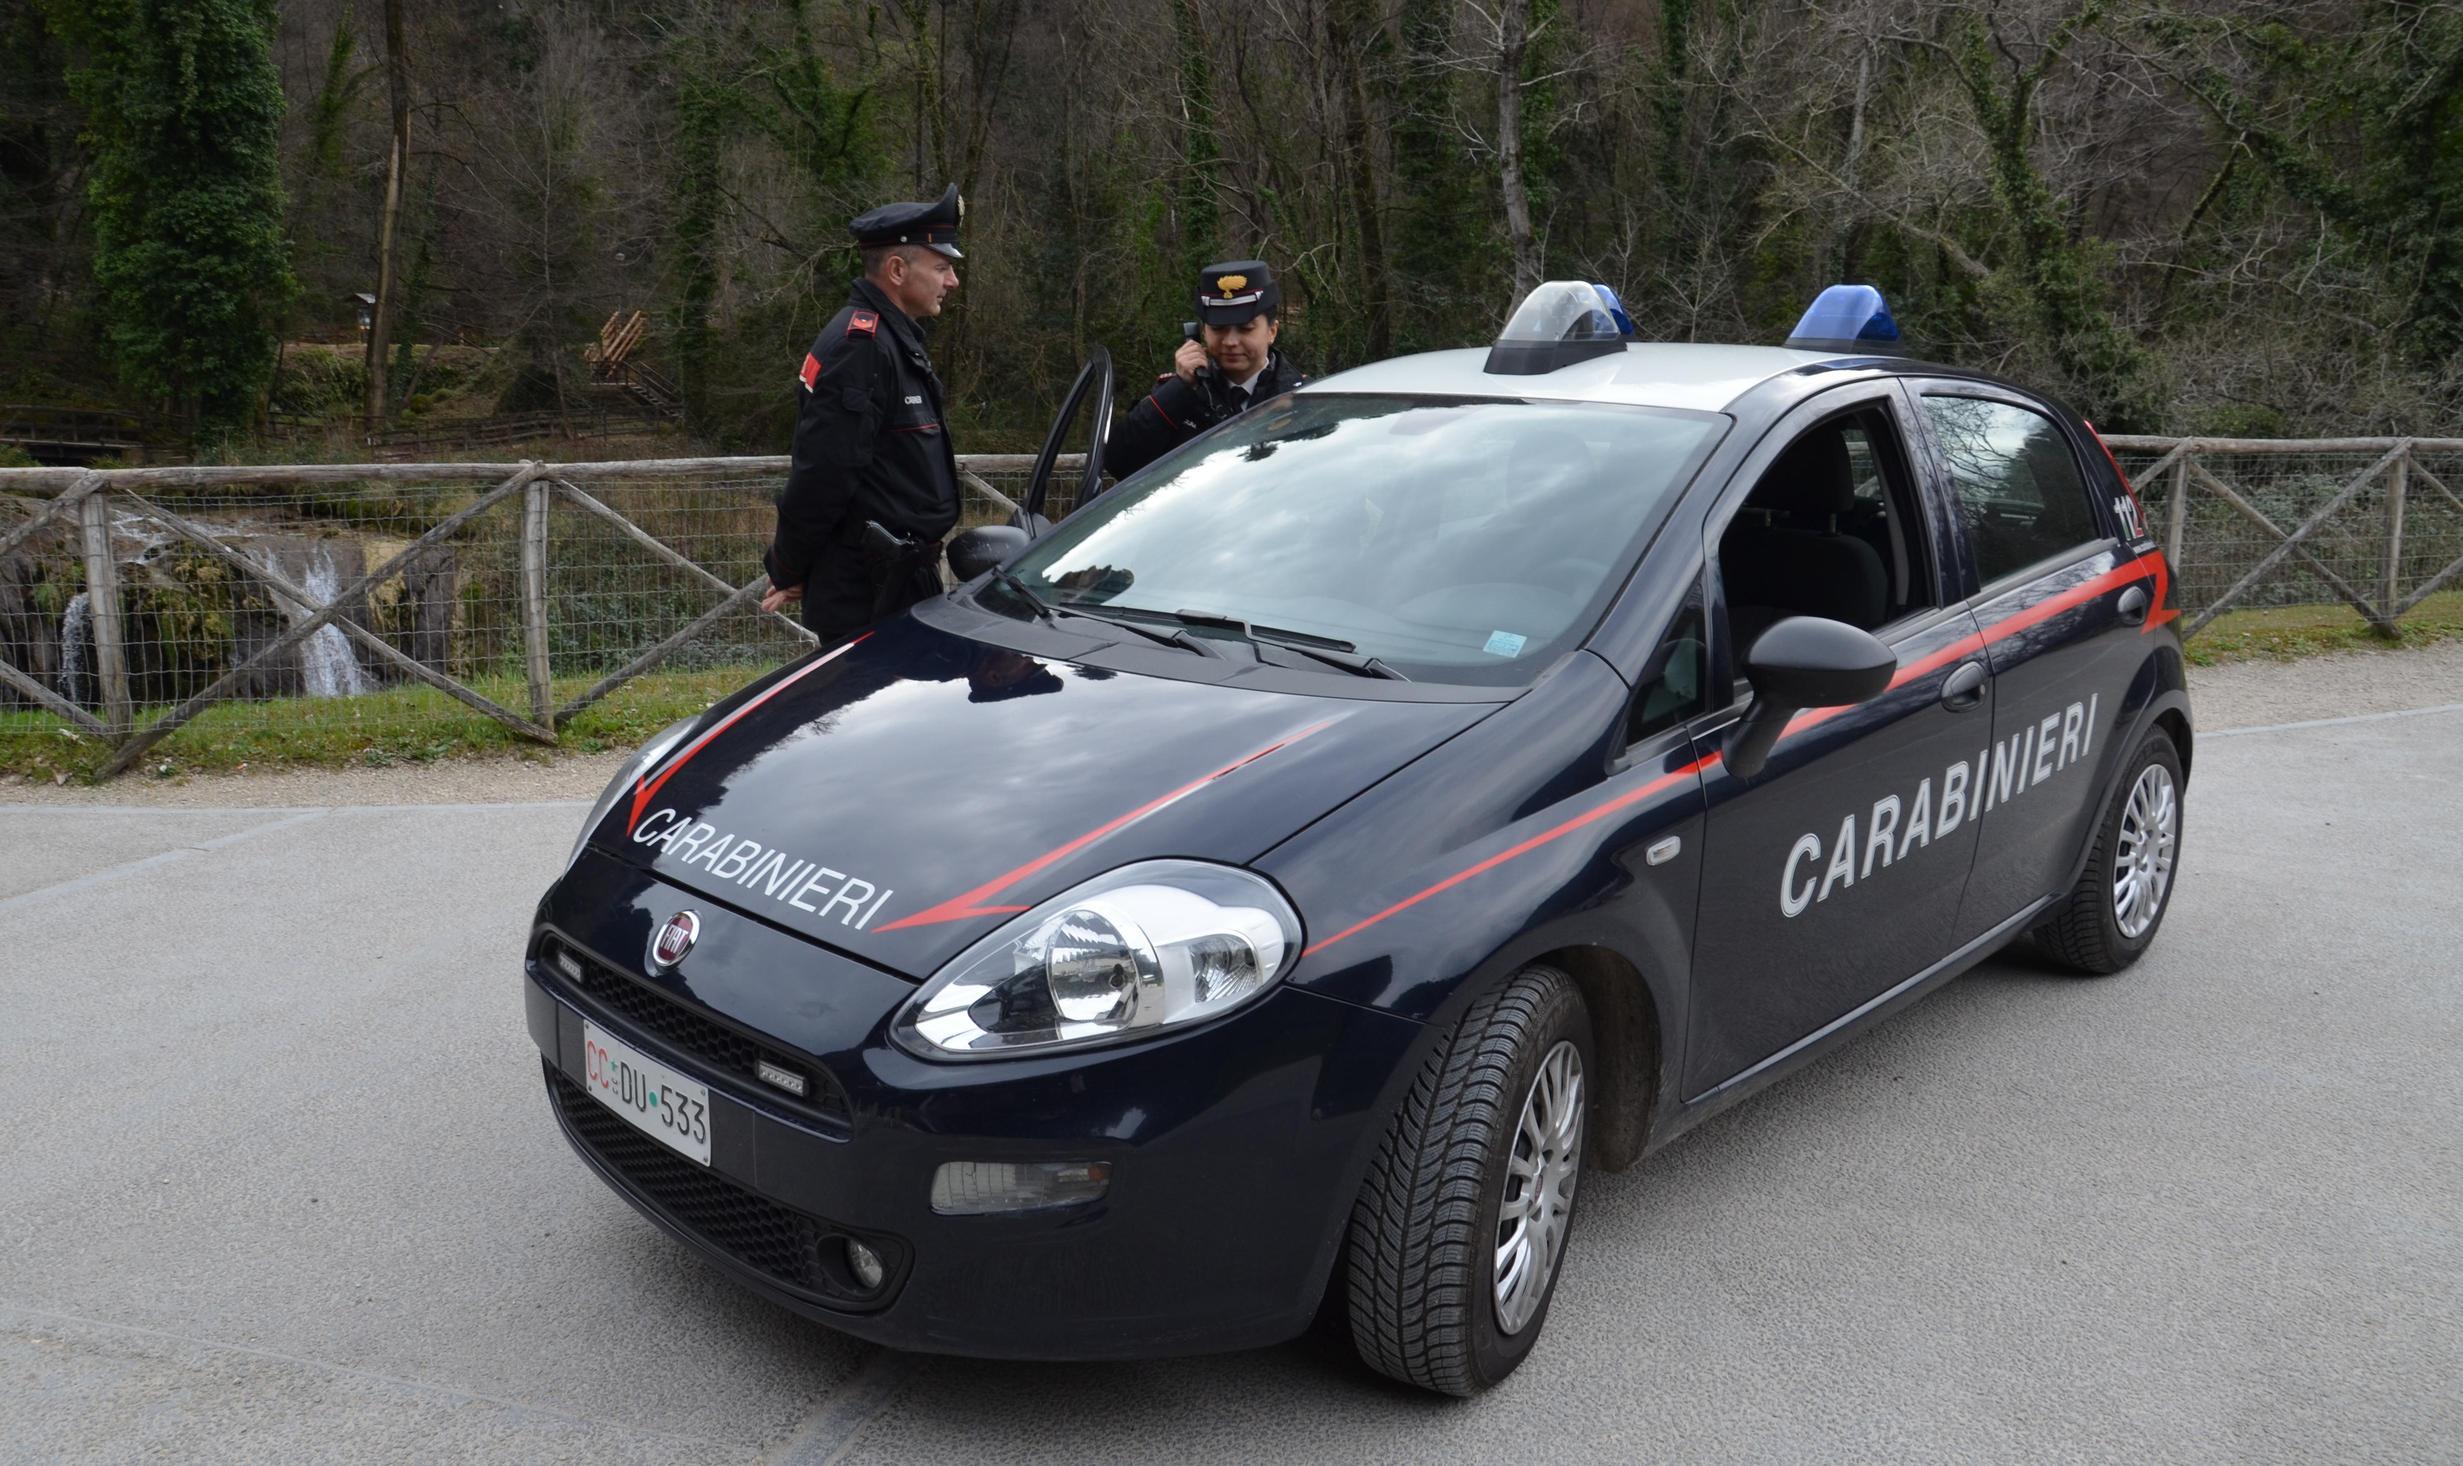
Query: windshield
{"x": 1455, "y": 541}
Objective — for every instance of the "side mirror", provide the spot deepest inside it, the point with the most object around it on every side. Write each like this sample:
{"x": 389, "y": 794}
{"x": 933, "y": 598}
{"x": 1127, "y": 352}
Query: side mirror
{"x": 983, "y": 548}
{"x": 1804, "y": 662}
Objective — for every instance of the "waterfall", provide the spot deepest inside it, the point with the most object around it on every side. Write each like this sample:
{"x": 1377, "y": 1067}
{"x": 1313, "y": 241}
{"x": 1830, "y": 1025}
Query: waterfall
{"x": 326, "y": 663}
{"x": 76, "y": 631}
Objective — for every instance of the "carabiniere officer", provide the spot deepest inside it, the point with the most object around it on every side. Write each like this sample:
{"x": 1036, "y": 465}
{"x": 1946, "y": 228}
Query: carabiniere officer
{"x": 1226, "y": 365}
{"x": 873, "y": 485}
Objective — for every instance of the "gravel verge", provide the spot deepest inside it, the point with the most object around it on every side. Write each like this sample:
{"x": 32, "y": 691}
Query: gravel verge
{"x": 2239, "y": 695}
{"x": 2337, "y": 685}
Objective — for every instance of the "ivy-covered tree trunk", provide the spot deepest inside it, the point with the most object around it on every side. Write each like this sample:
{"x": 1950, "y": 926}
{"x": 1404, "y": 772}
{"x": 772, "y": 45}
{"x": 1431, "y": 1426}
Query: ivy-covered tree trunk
{"x": 389, "y": 224}
{"x": 2367, "y": 130}
{"x": 2056, "y": 277}
{"x": 184, "y": 108}
{"x": 1442, "y": 260}
{"x": 1201, "y": 157}
{"x": 1353, "y": 29}
{"x": 701, "y": 122}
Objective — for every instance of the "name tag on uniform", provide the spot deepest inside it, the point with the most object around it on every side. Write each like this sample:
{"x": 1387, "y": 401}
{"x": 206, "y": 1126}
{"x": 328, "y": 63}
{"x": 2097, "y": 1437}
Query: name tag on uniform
{"x": 916, "y": 400}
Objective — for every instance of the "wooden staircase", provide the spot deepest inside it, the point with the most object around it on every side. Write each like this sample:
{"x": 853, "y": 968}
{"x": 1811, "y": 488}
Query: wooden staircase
{"x": 614, "y": 372}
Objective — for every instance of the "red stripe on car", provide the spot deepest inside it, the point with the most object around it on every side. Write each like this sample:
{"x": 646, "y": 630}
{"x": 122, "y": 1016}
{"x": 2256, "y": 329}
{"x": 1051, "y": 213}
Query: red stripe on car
{"x": 1598, "y": 812}
{"x": 2044, "y": 610}
{"x": 971, "y": 904}
{"x": 649, "y": 785}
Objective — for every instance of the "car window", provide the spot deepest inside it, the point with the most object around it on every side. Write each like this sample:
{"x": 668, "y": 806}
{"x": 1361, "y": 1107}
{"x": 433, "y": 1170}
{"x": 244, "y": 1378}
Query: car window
{"x": 1463, "y": 541}
{"x": 1672, "y": 689}
{"x": 1830, "y": 529}
{"x": 2020, "y": 494}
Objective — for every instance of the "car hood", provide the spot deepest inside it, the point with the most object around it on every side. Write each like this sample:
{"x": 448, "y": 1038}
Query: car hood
{"x": 899, "y": 797}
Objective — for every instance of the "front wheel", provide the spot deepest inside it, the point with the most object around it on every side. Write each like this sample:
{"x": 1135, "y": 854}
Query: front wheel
{"x": 2119, "y": 903}
{"x": 1460, "y": 1227}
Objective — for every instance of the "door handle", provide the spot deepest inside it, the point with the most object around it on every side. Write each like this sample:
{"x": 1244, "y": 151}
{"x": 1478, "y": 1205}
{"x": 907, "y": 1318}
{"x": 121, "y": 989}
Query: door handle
{"x": 2133, "y": 604}
{"x": 1964, "y": 688}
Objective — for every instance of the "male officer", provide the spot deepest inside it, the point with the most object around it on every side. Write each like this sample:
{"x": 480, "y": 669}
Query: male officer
{"x": 1213, "y": 378}
{"x": 873, "y": 485}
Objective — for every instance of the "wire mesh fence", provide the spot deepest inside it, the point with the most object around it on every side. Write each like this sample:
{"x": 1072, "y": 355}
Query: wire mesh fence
{"x": 2374, "y": 523}
{"x": 385, "y": 605}
{"x": 332, "y": 607}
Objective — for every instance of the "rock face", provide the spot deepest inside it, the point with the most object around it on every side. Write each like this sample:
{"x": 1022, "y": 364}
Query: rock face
{"x": 189, "y": 616}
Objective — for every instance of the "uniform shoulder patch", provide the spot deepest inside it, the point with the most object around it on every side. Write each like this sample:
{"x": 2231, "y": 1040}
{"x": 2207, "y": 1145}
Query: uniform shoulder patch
{"x": 863, "y": 323}
{"x": 810, "y": 371}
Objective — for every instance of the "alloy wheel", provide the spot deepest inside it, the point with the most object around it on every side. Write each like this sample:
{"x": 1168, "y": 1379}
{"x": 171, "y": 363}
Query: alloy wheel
{"x": 2142, "y": 863}
{"x": 1539, "y": 1188}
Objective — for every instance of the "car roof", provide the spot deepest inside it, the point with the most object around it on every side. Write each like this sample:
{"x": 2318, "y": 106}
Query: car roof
{"x": 1682, "y": 374}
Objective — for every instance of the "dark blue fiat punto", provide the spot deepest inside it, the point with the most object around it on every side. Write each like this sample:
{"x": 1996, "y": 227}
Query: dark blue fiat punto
{"x": 1269, "y": 890}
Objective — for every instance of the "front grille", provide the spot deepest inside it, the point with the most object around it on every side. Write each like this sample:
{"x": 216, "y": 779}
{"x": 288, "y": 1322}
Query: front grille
{"x": 636, "y": 1005}
{"x": 797, "y": 1251}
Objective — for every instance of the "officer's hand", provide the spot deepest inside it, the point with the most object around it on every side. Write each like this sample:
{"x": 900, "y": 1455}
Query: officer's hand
{"x": 1188, "y": 361}
{"x": 779, "y": 595}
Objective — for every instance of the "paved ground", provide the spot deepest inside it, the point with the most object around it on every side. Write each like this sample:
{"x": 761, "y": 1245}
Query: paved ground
{"x": 279, "y": 1185}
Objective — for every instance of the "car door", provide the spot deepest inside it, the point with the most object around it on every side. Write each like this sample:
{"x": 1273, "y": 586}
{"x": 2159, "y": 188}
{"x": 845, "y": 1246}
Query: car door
{"x": 1835, "y": 873}
{"x": 2060, "y": 598}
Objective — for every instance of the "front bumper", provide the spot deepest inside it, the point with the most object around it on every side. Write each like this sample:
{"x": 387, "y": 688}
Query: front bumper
{"x": 1235, "y": 1148}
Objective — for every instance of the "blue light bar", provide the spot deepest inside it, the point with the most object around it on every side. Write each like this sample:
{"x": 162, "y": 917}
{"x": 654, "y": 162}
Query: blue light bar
{"x": 1847, "y": 318}
{"x": 1616, "y": 310}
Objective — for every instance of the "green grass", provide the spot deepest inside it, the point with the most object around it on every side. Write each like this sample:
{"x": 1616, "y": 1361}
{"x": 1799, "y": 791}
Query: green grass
{"x": 398, "y": 725}
{"x": 413, "y": 724}
{"x": 2305, "y": 631}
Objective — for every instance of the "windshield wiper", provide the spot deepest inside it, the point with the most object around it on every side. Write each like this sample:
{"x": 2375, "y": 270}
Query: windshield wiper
{"x": 1047, "y": 611}
{"x": 1324, "y": 649}
{"x": 1175, "y": 637}
{"x": 1007, "y": 579}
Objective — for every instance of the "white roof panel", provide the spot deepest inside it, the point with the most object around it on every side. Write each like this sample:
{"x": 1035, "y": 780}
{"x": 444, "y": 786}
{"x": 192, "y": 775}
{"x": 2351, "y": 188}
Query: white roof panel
{"x": 1699, "y": 377}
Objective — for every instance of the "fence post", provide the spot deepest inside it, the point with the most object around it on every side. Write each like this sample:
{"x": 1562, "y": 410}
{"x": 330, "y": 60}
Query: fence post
{"x": 2398, "y": 480}
{"x": 103, "y": 612}
{"x": 534, "y": 601}
{"x": 2176, "y": 514}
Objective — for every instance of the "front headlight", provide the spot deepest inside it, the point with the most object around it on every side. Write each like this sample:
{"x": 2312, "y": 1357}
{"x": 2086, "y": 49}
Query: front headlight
{"x": 1148, "y": 946}
{"x": 643, "y": 759}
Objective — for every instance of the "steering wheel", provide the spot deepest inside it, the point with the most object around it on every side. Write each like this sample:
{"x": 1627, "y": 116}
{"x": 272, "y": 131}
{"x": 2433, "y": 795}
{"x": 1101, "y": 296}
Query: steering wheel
{"x": 1094, "y": 377}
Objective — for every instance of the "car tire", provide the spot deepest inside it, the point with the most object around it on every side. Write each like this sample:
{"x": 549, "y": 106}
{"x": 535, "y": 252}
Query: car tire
{"x": 2118, "y": 906}
{"x": 1497, "y": 1109}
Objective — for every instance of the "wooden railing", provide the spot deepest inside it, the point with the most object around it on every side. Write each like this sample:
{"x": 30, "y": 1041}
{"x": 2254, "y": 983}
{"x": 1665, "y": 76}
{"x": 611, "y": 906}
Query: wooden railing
{"x": 2413, "y": 534}
{"x": 99, "y": 510}
{"x": 2374, "y": 522}
{"x": 70, "y": 428}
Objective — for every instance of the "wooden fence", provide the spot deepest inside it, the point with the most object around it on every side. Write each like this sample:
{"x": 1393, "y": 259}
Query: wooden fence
{"x": 98, "y": 510}
{"x": 2413, "y": 518}
{"x": 2383, "y": 539}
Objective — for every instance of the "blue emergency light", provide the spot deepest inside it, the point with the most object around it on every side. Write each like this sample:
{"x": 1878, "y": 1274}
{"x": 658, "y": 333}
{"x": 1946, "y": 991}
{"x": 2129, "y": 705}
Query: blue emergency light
{"x": 1847, "y": 318}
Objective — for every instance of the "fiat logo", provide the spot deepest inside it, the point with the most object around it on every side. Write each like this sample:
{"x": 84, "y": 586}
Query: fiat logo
{"x": 668, "y": 946}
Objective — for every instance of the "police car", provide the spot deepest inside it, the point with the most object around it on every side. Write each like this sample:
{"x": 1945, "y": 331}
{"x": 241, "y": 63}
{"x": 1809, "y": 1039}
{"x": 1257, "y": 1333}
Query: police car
{"x": 1267, "y": 893}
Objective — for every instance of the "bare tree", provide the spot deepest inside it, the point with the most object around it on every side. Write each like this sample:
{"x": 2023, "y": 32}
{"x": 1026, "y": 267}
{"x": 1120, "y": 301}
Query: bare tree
{"x": 397, "y": 163}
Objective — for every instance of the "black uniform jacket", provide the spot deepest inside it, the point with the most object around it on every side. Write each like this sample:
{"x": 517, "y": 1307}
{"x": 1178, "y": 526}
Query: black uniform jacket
{"x": 1176, "y": 411}
{"x": 870, "y": 441}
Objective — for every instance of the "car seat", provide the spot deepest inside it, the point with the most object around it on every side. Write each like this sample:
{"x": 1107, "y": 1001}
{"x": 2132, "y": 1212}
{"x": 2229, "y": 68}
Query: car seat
{"x": 1787, "y": 553}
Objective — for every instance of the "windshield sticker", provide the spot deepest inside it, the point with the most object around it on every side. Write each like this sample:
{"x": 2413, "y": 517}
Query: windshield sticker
{"x": 1503, "y": 644}
{"x": 2000, "y": 773}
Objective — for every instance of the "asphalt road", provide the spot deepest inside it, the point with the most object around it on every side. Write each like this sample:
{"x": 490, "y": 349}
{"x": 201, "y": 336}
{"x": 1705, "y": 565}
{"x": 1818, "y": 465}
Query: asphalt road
{"x": 279, "y": 1184}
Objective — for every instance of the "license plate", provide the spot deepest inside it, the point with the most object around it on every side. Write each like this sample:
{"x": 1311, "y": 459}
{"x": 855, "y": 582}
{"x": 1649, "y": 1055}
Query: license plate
{"x": 659, "y": 1102}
